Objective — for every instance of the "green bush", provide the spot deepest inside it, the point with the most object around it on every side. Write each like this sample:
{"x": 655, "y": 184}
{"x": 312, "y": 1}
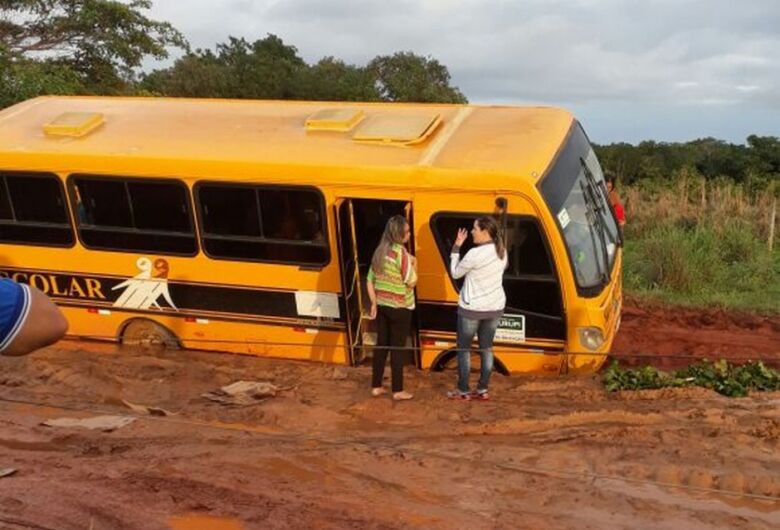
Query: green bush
{"x": 674, "y": 258}
{"x": 722, "y": 377}
{"x": 703, "y": 264}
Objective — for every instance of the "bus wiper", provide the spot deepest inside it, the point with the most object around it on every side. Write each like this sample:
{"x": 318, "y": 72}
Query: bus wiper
{"x": 592, "y": 214}
{"x": 601, "y": 205}
{"x": 602, "y": 228}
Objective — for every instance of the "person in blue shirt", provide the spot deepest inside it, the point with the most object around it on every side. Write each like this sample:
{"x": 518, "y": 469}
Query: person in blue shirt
{"x": 28, "y": 319}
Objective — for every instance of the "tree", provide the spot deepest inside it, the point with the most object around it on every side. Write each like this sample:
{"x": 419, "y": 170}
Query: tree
{"x": 764, "y": 163}
{"x": 765, "y": 154}
{"x": 25, "y": 79}
{"x": 405, "y": 76}
{"x": 100, "y": 42}
{"x": 264, "y": 69}
{"x": 756, "y": 164}
{"x": 196, "y": 75}
{"x": 270, "y": 69}
{"x": 332, "y": 79}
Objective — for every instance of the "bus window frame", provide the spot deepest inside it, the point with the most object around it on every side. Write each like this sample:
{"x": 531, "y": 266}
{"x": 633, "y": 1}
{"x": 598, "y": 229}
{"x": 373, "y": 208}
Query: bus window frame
{"x": 303, "y": 265}
{"x": 66, "y": 205}
{"x": 71, "y": 189}
{"x": 587, "y": 291}
{"x": 554, "y": 274}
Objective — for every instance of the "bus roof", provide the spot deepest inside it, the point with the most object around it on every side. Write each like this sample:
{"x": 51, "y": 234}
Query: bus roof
{"x": 516, "y": 141}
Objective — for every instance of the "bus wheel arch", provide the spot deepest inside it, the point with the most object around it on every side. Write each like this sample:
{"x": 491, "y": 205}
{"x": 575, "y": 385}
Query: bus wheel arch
{"x": 147, "y": 333}
{"x": 447, "y": 357}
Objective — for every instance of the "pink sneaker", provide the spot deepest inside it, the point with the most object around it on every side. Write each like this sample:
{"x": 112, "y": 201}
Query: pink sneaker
{"x": 458, "y": 395}
{"x": 480, "y": 395}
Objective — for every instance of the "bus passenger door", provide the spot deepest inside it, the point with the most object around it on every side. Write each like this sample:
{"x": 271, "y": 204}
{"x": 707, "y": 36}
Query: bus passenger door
{"x": 350, "y": 278}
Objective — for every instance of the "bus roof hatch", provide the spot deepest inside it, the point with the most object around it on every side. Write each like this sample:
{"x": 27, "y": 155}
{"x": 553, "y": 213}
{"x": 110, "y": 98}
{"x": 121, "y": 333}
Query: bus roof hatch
{"x": 74, "y": 124}
{"x": 397, "y": 130}
{"x": 338, "y": 120}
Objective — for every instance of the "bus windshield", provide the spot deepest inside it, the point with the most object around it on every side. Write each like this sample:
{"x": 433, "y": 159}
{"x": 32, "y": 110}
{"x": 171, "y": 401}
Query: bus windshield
{"x": 576, "y": 194}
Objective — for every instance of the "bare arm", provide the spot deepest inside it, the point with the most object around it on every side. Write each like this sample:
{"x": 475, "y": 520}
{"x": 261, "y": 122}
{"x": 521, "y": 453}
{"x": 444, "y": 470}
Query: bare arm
{"x": 410, "y": 274}
{"x": 43, "y": 326}
{"x": 459, "y": 267}
{"x": 372, "y": 298}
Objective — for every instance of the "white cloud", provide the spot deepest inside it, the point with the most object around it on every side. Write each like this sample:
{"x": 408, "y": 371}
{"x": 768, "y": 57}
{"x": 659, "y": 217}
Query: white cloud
{"x": 585, "y": 54}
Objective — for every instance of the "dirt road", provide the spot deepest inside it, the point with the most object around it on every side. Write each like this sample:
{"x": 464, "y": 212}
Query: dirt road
{"x": 714, "y": 333}
{"x": 543, "y": 454}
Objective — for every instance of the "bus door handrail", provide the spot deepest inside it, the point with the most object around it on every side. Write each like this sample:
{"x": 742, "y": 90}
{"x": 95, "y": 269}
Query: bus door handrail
{"x": 532, "y": 313}
{"x": 355, "y": 281}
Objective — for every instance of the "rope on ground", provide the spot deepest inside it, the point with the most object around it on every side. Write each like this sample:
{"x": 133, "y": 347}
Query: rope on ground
{"x": 519, "y": 468}
{"x": 530, "y": 350}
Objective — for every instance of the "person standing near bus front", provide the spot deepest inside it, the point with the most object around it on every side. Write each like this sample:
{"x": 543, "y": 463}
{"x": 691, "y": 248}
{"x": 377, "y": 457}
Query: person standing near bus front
{"x": 614, "y": 201}
{"x": 391, "y": 281}
{"x": 481, "y": 302}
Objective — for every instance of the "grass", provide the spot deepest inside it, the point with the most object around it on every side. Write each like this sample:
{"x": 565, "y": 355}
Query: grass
{"x": 702, "y": 248}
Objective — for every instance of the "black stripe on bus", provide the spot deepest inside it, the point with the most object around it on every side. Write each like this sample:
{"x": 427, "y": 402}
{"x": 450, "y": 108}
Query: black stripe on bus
{"x": 441, "y": 317}
{"x": 302, "y": 322}
{"x": 190, "y": 299}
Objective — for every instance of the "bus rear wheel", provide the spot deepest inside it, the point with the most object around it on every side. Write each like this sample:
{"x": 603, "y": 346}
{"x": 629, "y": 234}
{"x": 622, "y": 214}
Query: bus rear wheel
{"x": 147, "y": 334}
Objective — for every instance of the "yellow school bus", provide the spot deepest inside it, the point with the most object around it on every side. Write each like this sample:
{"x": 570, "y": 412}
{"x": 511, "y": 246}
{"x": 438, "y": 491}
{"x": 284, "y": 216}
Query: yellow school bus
{"x": 248, "y": 226}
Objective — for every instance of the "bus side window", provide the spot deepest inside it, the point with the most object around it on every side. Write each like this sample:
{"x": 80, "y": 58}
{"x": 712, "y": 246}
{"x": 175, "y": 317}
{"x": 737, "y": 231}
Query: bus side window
{"x": 263, "y": 223}
{"x": 32, "y": 210}
{"x": 290, "y": 215}
{"x": 229, "y": 211}
{"x": 529, "y": 281}
{"x": 6, "y": 212}
{"x": 128, "y": 214}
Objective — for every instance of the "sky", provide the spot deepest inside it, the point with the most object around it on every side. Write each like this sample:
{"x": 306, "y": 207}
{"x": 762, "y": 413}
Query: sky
{"x": 630, "y": 70}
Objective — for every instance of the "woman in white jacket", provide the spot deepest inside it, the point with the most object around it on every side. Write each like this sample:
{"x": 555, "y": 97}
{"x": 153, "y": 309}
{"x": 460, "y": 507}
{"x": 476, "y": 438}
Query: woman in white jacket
{"x": 481, "y": 303}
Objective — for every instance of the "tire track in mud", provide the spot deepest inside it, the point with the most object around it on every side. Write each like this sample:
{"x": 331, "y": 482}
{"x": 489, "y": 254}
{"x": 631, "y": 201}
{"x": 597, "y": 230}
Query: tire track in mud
{"x": 739, "y": 495}
{"x": 763, "y": 487}
{"x": 544, "y": 453}
{"x": 407, "y": 450}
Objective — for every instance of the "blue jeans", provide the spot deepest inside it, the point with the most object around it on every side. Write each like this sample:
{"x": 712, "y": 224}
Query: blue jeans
{"x": 485, "y": 329}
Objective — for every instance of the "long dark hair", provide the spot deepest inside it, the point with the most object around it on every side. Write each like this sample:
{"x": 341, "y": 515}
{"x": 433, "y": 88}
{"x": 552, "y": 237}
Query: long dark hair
{"x": 490, "y": 224}
{"x": 394, "y": 233}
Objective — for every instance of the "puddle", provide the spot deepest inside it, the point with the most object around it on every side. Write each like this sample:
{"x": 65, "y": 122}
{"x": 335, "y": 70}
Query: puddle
{"x": 202, "y": 522}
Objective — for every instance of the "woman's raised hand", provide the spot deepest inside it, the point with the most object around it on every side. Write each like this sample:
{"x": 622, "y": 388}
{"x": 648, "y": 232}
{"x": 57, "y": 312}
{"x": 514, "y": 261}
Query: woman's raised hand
{"x": 461, "y": 237}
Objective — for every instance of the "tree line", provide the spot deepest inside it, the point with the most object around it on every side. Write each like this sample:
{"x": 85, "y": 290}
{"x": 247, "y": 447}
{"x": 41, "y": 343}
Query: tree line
{"x": 756, "y": 164}
{"x": 97, "y": 47}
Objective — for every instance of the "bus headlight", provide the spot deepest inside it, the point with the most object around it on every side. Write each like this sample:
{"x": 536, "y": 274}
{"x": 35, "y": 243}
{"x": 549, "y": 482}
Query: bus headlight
{"x": 591, "y": 338}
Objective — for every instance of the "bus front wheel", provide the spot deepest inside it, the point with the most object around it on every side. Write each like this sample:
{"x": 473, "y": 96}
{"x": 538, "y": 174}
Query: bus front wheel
{"x": 449, "y": 361}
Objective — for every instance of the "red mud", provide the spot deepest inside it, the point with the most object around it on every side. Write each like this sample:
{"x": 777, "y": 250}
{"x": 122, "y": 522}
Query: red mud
{"x": 544, "y": 453}
{"x": 711, "y": 334}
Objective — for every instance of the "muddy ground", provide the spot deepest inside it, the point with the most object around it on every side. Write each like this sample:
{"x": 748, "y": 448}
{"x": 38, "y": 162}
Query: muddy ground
{"x": 544, "y": 453}
{"x": 669, "y": 332}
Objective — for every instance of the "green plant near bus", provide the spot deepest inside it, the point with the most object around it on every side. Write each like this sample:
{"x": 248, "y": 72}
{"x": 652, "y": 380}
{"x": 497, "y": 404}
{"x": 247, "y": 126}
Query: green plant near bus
{"x": 721, "y": 376}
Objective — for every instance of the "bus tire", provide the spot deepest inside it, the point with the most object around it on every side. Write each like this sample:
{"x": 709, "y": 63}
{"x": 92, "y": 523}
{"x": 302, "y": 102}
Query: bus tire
{"x": 448, "y": 360}
{"x": 148, "y": 334}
